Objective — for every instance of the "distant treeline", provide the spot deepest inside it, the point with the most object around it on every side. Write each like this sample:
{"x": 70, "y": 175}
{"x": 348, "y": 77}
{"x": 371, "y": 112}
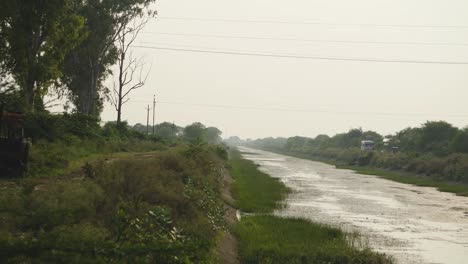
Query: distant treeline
{"x": 436, "y": 149}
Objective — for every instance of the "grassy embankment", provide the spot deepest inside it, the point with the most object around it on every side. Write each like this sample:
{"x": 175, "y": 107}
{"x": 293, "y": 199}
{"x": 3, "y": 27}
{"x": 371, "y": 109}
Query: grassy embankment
{"x": 393, "y": 175}
{"x": 160, "y": 207}
{"x": 458, "y": 189}
{"x": 269, "y": 239}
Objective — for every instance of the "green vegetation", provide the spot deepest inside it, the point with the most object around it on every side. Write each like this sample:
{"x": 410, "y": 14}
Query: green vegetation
{"x": 253, "y": 190}
{"x": 458, "y": 189}
{"x": 434, "y": 154}
{"x": 65, "y": 47}
{"x": 270, "y": 239}
{"x": 159, "y": 207}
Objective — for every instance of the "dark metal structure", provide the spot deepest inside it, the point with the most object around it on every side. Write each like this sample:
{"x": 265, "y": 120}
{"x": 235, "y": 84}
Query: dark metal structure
{"x": 14, "y": 147}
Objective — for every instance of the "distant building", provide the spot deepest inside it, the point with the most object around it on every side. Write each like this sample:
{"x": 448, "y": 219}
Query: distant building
{"x": 367, "y": 145}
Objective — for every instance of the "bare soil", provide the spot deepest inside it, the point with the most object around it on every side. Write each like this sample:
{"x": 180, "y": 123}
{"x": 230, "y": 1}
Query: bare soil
{"x": 227, "y": 248}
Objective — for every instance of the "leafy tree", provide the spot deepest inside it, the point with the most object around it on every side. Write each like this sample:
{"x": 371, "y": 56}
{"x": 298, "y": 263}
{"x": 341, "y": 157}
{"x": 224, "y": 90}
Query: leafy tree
{"x": 213, "y": 135}
{"x": 436, "y": 137}
{"x": 86, "y": 68}
{"x": 296, "y": 143}
{"x": 321, "y": 141}
{"x": 194, "y": 132}
{"x": 39, "y": 34}
{"x": 167, "y": 131}
{"x": 460, "y": 141}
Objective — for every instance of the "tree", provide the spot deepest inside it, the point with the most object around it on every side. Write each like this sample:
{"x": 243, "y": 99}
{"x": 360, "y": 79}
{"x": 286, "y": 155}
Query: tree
{"x": 213, "y": 135}
{"x": 86, "y": 68}
{"x": 167, "y": 131}
{"x": 408, "y": 139}
{"x": 38, "y": 34}
{"x": 460, "y": 141}
{"x": 436, "y": 136}
{"x": 194, "y": 132}
{"x": 296, "y": 144}
{"x": 128, "y": 66}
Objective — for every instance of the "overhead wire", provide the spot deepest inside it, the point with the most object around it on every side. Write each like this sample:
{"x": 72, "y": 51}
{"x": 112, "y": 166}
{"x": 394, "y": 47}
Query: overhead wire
{"x": 290, "y": 56}
{"x": 313, "y": 23}
{"x": 308, "y": 40}
{"x": 281, "y": 109}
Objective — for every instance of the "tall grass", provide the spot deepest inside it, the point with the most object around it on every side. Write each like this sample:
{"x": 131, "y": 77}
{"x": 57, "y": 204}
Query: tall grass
{"x": 269, "y": 239}
{"x": 253, "y": 190}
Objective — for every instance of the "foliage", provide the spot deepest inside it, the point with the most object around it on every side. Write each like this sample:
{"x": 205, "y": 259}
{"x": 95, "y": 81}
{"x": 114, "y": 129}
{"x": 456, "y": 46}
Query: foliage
{"x": 88, "y": 65}
{"x": 160, "y": 207}
{"x": 168, "y": 132}
{"x": 254, "y": 191}
{"x": 213, "y": 135}
{"x": 436, "y": 149}
{"x": 270, "y": 239}
{"x": 60, "y": 127}
{"x": 39, "y": 34}
{"x": 194, "y": 132}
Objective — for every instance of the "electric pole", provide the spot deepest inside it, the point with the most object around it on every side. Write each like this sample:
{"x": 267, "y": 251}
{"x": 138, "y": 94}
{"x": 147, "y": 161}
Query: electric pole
{"x": 154, "y": 107}
{"x": 147, "y": 119}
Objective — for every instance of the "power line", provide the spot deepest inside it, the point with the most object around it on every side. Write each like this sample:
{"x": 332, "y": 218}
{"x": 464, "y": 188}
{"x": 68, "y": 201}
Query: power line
{"x": 315, "y": 23}
{"x": 276, "y": 109}
{"x": 247, "y": 53}
{"x": 309, "y": 40}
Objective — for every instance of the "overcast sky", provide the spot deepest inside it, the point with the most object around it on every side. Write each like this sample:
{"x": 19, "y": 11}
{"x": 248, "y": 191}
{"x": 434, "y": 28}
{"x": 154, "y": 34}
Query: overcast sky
{"x": 259, "y": 96}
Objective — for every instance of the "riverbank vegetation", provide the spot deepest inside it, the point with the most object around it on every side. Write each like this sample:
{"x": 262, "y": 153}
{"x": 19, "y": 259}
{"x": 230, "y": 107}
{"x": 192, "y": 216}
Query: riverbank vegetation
{"x": 253, "y": 190}
{"x": 265, "y": 238}
{"x": 434, "y": 154}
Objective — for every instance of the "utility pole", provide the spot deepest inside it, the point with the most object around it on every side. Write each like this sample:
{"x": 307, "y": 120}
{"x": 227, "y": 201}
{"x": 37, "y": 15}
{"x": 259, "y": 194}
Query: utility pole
{"x": 154, "y": 107}
{"x": 147, "y": 119}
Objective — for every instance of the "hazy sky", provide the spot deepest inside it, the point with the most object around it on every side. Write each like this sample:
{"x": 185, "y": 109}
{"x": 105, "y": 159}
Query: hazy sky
{"x": 254, "y": 96}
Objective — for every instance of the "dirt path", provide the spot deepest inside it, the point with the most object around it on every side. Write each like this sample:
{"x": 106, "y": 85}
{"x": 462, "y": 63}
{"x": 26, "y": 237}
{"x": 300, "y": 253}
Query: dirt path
{"x": 227, "y": 248}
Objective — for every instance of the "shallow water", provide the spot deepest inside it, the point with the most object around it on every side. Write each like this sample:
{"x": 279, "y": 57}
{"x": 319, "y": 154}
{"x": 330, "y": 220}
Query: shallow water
{"x": 413, "y": 224}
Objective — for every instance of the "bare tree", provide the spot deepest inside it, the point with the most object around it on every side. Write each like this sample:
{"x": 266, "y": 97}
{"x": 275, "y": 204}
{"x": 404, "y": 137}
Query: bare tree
{"x": 131, "y": 70}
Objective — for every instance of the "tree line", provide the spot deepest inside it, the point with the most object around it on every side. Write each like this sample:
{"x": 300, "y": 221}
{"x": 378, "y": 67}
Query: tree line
{"x": 436, "y": 149}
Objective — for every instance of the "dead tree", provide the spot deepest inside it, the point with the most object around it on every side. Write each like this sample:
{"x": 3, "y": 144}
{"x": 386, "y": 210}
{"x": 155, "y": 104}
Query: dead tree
{"x": 131, "y": 71}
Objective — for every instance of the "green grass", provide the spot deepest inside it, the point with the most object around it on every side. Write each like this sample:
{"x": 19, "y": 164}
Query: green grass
{"x": 253, "y": 190}
{"x": 271, "y": 239}
{"x": 48, "y": 159}
{"x": 458, "y": 189}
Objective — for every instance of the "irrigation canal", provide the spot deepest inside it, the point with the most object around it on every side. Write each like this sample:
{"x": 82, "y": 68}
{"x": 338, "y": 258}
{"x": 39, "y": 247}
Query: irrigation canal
{"x": 414, "y": 224}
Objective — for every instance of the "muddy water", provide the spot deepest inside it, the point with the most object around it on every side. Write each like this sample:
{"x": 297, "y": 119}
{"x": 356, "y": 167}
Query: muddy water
{"x": 414, "y": 224}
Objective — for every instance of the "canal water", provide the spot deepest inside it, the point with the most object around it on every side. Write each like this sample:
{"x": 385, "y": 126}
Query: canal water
{"x": 413, "y": 224}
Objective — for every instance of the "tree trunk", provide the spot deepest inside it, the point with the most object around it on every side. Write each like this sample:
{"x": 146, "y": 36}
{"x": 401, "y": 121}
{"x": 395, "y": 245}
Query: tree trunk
{"x": 121, "y": 83}
{"x": 29, "y": 93}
